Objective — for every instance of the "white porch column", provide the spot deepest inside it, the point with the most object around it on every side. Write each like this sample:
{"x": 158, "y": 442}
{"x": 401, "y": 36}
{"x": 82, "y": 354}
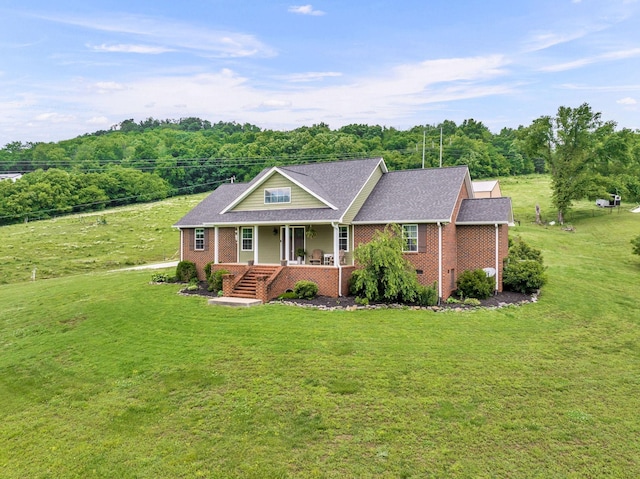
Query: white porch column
{"x": 287, "y": 244}
{"x": 336, "y": 255}
{"x": 216, "y": 248}
{"x": 181, "y": 244}
{"x": 255, "y": 244}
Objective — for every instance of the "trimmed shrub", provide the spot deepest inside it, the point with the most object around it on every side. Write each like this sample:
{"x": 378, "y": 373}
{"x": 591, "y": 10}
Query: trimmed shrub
{"x": 306, "y": 289}
{"x": 186, "y": 271}
{"x": 523, "y": 276}
{"x": 427, "y": 295}
{"x": 524, "y": 271}
{"x": 215, "y": 279}
{"x": 475, "y": 284}
{"x": 207, "y": 271}
{"x": 471, "y": 302}
{"x": 521, "y": 250}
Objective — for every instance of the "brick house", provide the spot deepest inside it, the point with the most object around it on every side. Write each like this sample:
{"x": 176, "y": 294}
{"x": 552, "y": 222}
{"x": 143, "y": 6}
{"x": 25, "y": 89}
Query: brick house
{"x": 304, "y": 221}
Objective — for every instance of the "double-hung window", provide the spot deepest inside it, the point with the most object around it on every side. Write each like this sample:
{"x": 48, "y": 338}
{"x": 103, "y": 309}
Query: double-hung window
{"x": 277, "y": 195}
{"x": 247, "y": 239}
{"x": 199, "y": 239}
{"x": 343, "y": 238}
{"x": 410, "y": 238}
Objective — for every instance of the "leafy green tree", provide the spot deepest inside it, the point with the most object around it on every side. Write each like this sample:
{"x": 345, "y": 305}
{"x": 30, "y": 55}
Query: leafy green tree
{"x": 385, "y": 275}
{"x": 568, "y": 144}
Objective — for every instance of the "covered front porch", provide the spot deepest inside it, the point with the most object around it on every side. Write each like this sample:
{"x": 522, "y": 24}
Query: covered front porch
{"x": 267, "y": 282}
{"x": 289, "y": 245}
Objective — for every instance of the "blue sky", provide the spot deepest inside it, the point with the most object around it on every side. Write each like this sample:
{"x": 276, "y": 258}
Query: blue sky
{"x": 69, "y": 67}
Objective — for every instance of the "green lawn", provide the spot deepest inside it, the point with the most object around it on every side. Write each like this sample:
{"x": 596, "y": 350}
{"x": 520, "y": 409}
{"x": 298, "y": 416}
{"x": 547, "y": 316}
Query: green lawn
{"x": 105, "y": 375}
{"x": 105, "y": 240}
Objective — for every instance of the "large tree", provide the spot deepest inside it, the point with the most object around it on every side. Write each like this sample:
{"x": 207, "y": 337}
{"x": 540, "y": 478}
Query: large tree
{"x": 568, "y": 143}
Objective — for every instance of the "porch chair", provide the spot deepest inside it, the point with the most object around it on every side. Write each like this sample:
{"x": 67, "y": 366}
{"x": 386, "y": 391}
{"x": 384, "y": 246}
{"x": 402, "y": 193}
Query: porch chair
{"x": 316, "y": 257}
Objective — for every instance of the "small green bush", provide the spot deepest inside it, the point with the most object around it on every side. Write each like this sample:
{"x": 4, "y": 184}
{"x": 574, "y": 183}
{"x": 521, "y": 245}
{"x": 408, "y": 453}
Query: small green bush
{"x": 452, "y": 300}
{"x": 361, "y": 301}
{"x": 215, "y": 280}
{"x": 306, "y": 289}
{"x": 523, "y": 276}
{"x": 160, "y": 278}
{"x": 186, "y": 271}
{"x": 207, "y": 271}
{"x": 471, "y": 302}
{"x": 427, "y": 295}
{"x": 635, "y": 242}
{"x": 475, "y": 284}
{"x": 288, "y": 295}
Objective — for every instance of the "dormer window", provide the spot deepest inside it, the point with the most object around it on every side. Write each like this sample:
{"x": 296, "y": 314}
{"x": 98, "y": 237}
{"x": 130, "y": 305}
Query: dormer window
{"x": 277, "y": 195}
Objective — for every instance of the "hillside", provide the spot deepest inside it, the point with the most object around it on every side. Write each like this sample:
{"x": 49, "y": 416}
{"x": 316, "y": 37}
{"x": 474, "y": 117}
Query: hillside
{"x": 103, "y": 374}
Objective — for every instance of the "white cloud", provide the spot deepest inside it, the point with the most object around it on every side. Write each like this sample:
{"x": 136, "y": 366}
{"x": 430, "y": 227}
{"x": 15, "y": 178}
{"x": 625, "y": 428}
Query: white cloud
{"x": 611, "y": 56}
{"x": 54, "y": 117}
{"x": 628, "y": 101}
{"x": 108, "y": 87}
{"x": 393, "y": 97}
{"x": 124, "y": 48}
{"x": 98, "y": 120}
{"x": 311, "y": 76}
{"x": 174, "y": 36}
{"x": 543, "y": 40}
{"x": 305, "y": 10}
{"x": 275, "y": 104}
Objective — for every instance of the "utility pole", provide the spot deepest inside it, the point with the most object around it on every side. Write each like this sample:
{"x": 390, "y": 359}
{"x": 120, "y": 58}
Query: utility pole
{"x": 440, "y": 147}
{"x": 424, "y": 138}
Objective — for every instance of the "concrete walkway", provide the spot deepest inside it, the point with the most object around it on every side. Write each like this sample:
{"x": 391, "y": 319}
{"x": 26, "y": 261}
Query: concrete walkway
{"x": 235, "y": 302}
{"x": 169, "y": 264}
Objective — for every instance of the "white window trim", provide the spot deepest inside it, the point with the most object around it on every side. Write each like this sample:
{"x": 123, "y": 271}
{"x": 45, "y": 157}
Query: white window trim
{"x": 285, "y": 188}
{"x": 405, "y": 237}
{"x": 343, "y": 238}
{"x": 196, "y": 237}
{"x": 242, "y": 238}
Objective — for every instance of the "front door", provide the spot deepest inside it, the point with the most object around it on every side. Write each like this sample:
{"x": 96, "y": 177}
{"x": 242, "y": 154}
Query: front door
{"x": 296, "y": 241}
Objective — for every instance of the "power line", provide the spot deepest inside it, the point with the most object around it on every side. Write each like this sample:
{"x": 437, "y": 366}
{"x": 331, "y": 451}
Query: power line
{"x": 36, "y": 213}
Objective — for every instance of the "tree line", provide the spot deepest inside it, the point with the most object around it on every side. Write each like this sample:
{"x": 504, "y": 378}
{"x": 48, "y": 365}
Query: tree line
{"x": 191, "y": 155}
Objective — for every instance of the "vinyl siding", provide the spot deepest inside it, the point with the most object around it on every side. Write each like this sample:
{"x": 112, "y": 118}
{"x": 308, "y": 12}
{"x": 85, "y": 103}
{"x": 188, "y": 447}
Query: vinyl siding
{"x": 299, "y": 197}
{"x": 362, "y": 197}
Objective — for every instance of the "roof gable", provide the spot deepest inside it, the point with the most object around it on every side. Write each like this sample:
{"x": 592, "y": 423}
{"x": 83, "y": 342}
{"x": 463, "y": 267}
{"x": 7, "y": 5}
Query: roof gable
{"x": 254, "y": 188}
{"x": 298, "y": 196}
{"x": 334, "y": 185}
{"x": 425, "y": 195}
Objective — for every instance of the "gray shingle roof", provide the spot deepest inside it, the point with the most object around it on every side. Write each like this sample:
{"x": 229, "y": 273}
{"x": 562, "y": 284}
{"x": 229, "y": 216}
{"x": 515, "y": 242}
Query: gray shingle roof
{"x": 427, "y": 195}
{"x": 485, "y": 211}
{"x": 337, "y": 182}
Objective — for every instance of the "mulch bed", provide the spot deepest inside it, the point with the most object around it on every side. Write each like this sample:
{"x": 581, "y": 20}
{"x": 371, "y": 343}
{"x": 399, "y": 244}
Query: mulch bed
{"x": 505, "y": 298}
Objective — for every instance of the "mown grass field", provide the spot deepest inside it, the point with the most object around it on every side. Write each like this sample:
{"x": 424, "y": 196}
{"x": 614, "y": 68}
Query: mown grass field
{"x": 104, "y": 240}
{"x": 105, "y": 375}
